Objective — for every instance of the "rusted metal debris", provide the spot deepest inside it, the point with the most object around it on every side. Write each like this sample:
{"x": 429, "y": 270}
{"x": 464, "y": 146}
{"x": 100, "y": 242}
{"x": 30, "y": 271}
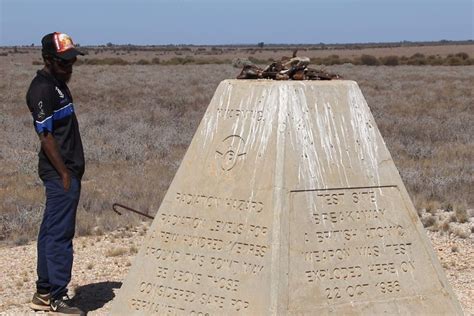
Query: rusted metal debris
{"x": 295, "y": 68}
{"x": 115, "y": 205}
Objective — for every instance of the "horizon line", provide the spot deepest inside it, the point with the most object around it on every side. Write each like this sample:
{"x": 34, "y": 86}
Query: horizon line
{"x": 110, "y": 44}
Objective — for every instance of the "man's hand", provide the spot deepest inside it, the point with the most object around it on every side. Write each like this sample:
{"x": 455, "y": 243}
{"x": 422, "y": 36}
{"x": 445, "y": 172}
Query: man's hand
{"x": 66, "y": 179}
{"x": 50, "y": 147}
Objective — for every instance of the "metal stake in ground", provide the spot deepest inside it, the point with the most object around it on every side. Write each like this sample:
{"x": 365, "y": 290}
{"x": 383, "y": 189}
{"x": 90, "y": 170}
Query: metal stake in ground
{"x": 115, "y": 205}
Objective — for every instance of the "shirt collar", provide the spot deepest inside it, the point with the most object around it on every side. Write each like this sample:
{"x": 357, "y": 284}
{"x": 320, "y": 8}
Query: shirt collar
{"x": 51, "y": 78}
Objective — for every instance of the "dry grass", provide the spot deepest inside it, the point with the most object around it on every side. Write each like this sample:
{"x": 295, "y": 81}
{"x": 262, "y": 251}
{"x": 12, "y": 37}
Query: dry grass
{"x": 425, "y": 115}
{"x": 115, "y": 252}
{"x": 461, "y": 215}
{"x": 137, "y": 121}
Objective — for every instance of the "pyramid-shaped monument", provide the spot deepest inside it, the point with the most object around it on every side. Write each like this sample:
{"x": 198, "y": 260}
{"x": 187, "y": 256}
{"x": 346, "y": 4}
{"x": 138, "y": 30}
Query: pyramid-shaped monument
{"x": 287, "y": 202}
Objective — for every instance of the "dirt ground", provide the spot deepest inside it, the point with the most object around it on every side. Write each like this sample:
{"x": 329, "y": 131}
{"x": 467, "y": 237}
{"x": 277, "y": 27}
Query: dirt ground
{"x": 102, "y": 262}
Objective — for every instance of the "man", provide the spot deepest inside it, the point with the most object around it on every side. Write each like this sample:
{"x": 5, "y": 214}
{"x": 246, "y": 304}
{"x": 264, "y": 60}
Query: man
{"x": 60, "y": 167}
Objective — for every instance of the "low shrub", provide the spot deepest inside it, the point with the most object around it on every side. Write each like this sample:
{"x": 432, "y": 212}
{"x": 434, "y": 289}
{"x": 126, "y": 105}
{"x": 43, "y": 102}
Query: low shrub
{"x": 116, "y": 252}
{"x": 179, "y": 61}
{"x": 462, "y": 55}
{"x": 435, "y": 60}
{"x": 111, "y": 61}
{"x": 143, "y": 62}
{"x": 332, "y": 60}
{"x": 390, "y": 61}
{"x": 461, "y": 215}
{"x": 417, "y": 60}
{"x": 429, "y": 221}
{"x": 454, "y": 61}
{"x": 257, "y": 61}
{"x": 447, "y": 207}
{"x": 240, "y": 62}
{"x": 217, "y": 61}
{"x": 461, "y": 232}
{"x": 369, "y": 60}
{"x": 316, "y": 61}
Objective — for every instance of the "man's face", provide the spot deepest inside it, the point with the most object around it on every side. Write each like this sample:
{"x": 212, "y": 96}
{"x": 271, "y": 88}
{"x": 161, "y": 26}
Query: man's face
{"x": 62, "y": 69}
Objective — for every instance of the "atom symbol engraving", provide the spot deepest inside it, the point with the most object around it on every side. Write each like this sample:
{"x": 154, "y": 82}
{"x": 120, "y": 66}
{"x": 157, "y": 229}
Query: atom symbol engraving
{"x": 230, "y": 151}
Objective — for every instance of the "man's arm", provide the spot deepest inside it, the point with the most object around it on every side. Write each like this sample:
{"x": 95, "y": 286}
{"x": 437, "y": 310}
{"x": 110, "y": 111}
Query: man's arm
{"x": 50, "y": 147}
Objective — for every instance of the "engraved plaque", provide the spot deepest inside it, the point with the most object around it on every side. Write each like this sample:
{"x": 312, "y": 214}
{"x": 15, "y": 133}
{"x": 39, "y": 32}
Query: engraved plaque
{"x": 287, "y": 202}
{"x": 353, "y": 245}
{"x": 204, "y": 258}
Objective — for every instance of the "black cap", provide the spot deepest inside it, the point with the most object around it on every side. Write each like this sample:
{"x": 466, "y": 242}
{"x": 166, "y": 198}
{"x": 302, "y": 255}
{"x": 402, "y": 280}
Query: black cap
{"x": 59, "y": 45}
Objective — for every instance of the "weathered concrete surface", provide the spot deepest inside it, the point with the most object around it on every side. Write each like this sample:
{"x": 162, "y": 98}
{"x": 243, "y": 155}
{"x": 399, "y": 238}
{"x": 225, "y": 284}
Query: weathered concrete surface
{"x": 286, "y": 202}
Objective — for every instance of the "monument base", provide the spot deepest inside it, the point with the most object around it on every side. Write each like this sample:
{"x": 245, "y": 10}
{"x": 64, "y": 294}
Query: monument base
{"x": 286, "y": 202}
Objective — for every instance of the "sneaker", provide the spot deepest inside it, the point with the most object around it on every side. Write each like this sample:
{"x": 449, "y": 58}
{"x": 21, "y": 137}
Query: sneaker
{"x": 63, "y": 306}
{"x": 40, "y": 302}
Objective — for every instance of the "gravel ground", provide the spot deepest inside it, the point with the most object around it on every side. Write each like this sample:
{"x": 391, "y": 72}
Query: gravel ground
{"x": 102, "y": 262}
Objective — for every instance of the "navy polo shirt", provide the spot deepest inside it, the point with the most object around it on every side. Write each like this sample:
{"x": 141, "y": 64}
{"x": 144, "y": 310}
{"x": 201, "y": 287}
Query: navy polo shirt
{"x": 50, "y": 103}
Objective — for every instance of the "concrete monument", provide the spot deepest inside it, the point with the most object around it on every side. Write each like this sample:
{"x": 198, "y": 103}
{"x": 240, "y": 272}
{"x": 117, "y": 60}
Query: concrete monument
{"x": 286, "y": 202}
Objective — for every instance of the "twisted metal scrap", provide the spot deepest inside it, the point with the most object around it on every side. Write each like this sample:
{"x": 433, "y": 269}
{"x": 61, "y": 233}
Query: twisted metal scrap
{"x": 295, "y": 68}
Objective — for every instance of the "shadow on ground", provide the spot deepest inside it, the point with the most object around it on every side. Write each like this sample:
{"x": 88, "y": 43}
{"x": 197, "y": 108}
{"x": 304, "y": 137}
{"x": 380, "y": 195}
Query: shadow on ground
{"x": 94, "y": 296}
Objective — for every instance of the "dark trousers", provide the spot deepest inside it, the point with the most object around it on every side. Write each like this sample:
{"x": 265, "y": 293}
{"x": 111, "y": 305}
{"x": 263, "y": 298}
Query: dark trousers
{"x": 55, "y": 253}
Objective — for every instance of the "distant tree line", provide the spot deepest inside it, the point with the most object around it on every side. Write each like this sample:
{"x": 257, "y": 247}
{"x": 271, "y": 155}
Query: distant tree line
{"x": 459, "y": 59}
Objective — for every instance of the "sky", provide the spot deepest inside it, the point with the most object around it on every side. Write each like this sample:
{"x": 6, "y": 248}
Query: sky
{"x": 214, "y": 22}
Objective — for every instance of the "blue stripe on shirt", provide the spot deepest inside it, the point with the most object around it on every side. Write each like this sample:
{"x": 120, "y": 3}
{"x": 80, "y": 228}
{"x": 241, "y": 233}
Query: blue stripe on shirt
{"x": 63, "y": 112}
{"x": 47, "y": 123}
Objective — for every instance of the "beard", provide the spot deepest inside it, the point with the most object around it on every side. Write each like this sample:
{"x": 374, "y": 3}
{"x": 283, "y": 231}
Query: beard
{"x": 63, "y": 77}
{"x": 61, "y": 74}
